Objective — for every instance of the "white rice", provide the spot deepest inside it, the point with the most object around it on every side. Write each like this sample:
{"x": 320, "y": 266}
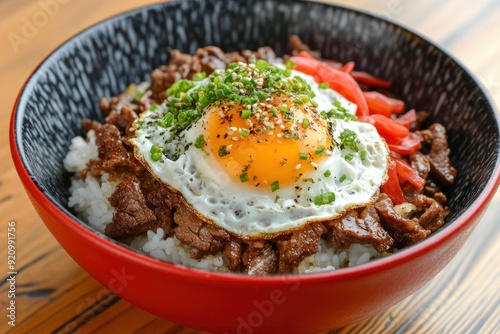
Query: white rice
{"x": 89, "y": 199}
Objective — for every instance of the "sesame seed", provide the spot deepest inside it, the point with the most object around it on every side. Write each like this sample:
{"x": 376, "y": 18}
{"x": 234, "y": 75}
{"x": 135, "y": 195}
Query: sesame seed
{"x": 315, "y": 165}
{"x": 234, "y": 138}
{"x": 297, "y": 167}
{"x": 229, "y": 147}
{"x": 279, "y": 135}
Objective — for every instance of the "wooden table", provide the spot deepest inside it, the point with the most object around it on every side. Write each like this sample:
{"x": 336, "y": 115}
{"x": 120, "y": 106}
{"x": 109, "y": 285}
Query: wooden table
{"x": 53, "y": 294}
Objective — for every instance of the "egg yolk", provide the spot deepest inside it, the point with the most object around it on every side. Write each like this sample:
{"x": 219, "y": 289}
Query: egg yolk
{"x": 277, "y": 143}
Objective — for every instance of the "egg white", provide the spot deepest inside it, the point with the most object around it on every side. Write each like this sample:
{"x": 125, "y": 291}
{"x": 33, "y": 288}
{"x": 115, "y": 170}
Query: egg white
{"x": 259, "y": 213}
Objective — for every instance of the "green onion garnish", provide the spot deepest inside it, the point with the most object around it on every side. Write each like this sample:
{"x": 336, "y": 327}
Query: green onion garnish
{"x": 244, "y": 177}
{"x": 290, "y": 64}
{"x": 200, "y": 142}
{"x": 244, "y": 133}
{"x": 222, "y": 151}
{"x": 327, "y": 173}
{"x": 348, "y": 157}
{"x": 363, "y": 155}
{"x": 320, "y": 150}
{"x": 245, "y": 114}
{"x": 275, "y": 186}
{"x": 156, "y": 152}
{"x": 342, "y": 178}
{"x": 302, "y": 155}
{"x": 324, "y": 85}
{"x": 325, "y": 198}
{"x": 305, "y": 123}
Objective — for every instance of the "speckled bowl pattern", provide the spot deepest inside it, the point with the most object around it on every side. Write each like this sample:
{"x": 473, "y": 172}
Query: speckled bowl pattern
{"x": 105, "y": 58}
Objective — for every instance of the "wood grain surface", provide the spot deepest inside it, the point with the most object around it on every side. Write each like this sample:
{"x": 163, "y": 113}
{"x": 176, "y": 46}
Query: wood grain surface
{"x": 53, "y": 294}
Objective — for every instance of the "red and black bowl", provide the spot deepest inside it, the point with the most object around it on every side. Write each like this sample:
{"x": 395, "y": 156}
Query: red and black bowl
{"x": 105, "y": 58}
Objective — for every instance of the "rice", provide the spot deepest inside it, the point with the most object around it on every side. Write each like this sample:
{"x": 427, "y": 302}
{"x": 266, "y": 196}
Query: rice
{"x": 89, "y": 199}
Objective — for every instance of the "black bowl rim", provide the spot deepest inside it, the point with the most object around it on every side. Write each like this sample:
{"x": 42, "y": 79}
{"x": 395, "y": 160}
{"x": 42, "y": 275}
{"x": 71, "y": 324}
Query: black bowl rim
{"x": 406, "y": 254}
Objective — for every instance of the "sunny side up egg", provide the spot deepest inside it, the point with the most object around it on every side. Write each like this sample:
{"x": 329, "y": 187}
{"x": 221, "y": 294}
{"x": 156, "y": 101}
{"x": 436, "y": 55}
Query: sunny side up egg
{"x": 260, "y": 149}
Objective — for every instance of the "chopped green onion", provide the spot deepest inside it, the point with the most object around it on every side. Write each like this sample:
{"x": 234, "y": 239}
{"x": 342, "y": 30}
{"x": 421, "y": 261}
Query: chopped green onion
{"x": 348, "y": 157}
{"x": 156, "y": 152}
{"x": 320, "y": 150}
{"x": 342, "y": 178}
{"x": 244, "y": 133}
{"x": 290, "y": 64}
{"x": 348, "y": 139}
{"x": 305, "y": 123}
{"x": 139, "y": 95}
{"x": 275, "y": 186}
{"x": 199, "y": 76}
{"x": 244, "y": 177}
{"x": 324, "y": 85}
{"x": 245, "y": 114}
{"x": 291, "y": 136}
{"x": 302, "y": 155}
{"x": 325, "y": 198}
{"x": 363, "y": 155}
{"x": 285, "y": 109}
{"x": 223, "y": 151}
{"x": 153, "y": 107}
{"x": 327, "y": 173}
{"x": 200, "y": 142}
{"x": 298, "y": 101}
{"x": 273, "y": 112}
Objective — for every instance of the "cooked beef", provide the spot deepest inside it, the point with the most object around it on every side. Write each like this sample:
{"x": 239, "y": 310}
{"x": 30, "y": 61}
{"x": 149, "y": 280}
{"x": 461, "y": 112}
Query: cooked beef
{"x": 404, "y": 231}
{"x": 300, "y": 244}
{"x": 234, "y": 251}
{"x": 422, "y": 117}
{"x": 420, "y": 162}
{"x": 432, "y": 213}
{"x": 207, "y": 59}
{"x": 360, "y": 227}
{"x": 114, "y": 157}
{"x": 439, "y": 156}
{"x": 260, "y": 258}
{"x": 192, "y": 231}
{"x": 132, "y": 217}
{"x": 297, "y": 45}
{"x": 122, "y": 119}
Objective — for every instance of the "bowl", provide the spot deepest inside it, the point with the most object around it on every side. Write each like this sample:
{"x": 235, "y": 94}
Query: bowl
{"x": 105, "y": 58}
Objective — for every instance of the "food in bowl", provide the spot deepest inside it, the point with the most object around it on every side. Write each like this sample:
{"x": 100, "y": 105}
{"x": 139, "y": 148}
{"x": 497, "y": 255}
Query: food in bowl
{"x": 248, "y": 163}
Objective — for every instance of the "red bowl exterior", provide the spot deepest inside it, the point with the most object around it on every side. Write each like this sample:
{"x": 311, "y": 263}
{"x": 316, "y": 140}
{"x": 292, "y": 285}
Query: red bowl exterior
{"x": 226, "y": 303}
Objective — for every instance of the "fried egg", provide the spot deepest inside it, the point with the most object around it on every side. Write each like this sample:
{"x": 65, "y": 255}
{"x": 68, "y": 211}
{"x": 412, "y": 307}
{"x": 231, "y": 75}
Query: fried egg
{"x": 261, "y": 149}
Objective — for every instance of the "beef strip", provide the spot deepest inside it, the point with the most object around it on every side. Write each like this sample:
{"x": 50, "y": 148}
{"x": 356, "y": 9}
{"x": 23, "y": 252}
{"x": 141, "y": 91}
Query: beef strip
{"x": 301, "y": 243}
{"x": 114, "y": 157}
{"x": 132, "y": 217}
{"x": 420, "y": 162}
{"x": 432, "y": 213}
{"x": 122, "y": 119}
{"x": 439, "y": 154}
{"x": 260, "y": 258}
{"x": 234, "y": 252}
{"x": 404, "y": 231}
{"x": 297, "y": 46}
{"x": 191, "y": 230}
{"x": 359, "y": 227}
